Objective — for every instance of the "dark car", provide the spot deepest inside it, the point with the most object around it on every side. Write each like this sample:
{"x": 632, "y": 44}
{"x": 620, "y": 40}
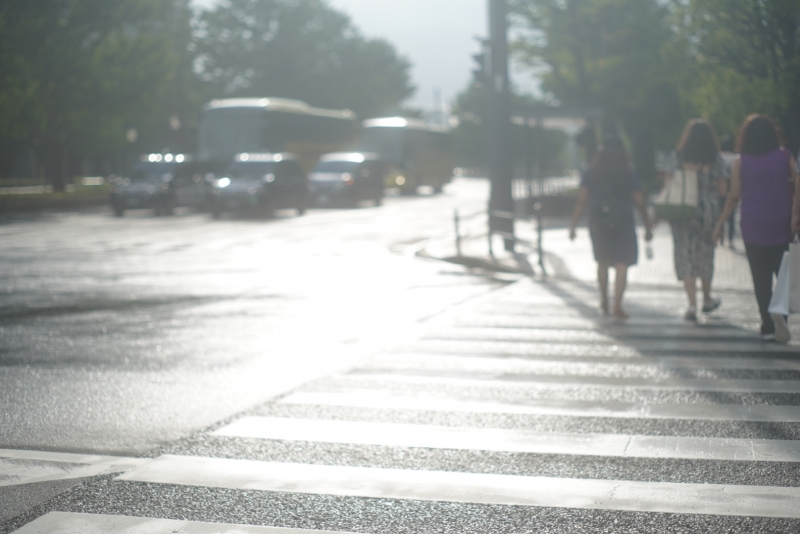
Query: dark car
{"x": 260, "y": 183}
{"x": 349, "y": 178}
{"x": 148, "y": 185}
{"x": 193, "y": 181}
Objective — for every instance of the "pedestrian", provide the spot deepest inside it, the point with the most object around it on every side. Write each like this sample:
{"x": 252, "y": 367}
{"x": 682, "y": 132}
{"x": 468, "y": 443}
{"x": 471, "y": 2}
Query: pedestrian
{"x": 763, "y": 177}
{"x": 727, "y": 146}
{"x": 693, "y": 245}
{"x": 611, "y": 189}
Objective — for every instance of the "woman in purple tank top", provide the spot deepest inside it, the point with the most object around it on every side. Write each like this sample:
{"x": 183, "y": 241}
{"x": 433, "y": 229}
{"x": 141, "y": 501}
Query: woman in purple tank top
{"x": 763, "y": 177}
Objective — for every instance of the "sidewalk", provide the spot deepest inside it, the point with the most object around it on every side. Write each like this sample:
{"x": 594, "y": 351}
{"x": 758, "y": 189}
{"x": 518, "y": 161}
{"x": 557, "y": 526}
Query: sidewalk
{"x": 573, "y": 260}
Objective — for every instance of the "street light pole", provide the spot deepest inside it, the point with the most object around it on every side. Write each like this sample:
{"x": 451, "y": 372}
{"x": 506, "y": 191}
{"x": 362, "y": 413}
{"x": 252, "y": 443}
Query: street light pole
{"x": 501, "y": 202}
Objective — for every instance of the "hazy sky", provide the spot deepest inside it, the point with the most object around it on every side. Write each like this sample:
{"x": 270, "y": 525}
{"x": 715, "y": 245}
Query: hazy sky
{"x": 435, "y": 35}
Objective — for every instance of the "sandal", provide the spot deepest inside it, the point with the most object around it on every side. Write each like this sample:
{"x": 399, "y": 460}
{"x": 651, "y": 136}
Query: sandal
{"x": 782, "y": 334}
{"x": 711, "y": 305}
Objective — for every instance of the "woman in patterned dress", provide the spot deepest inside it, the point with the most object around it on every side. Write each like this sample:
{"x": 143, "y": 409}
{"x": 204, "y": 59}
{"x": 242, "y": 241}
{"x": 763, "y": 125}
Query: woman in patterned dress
{"x": 693, "y": 242}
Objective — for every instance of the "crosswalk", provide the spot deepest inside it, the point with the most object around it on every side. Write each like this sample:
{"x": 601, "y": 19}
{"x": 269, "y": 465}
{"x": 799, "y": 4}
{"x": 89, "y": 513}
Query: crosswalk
{"x": 521, "y": 412}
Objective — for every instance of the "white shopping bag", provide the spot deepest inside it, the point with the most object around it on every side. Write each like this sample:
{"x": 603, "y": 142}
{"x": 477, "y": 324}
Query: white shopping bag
{"x": 786, "y": 295}
{"x": 780, "y": 295}
{"x": 794, "y": 278}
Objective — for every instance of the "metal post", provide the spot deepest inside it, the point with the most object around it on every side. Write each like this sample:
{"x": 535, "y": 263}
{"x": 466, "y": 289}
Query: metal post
{"x": 458, "y": 233}
{"x": 540, "y": 172}
{"x": 529, "y": 161}
{"x": 500, "y": 160}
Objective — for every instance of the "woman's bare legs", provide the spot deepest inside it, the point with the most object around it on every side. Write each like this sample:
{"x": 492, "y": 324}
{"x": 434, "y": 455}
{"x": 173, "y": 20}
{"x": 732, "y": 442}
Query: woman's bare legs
{"x": 602, "y": 281}
{"x": 619, "y": 290}
{"x": 690, "y": 285}
{"x": 706, "y": 291}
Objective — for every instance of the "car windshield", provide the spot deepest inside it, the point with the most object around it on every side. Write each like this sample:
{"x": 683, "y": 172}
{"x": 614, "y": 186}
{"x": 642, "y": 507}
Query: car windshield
{"x": 250, "y": 170}
{"x": 151, "y": 172}
{"x": 336, "y": 166}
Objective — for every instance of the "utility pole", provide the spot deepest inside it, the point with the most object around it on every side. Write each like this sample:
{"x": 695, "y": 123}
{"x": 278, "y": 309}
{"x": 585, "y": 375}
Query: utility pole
{"x": 501, "y": 202}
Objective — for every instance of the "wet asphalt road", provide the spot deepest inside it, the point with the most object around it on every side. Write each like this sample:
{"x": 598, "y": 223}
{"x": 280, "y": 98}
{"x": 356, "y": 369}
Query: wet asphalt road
{"x": 117, "y": 335}
{"x": 310, "y": 373}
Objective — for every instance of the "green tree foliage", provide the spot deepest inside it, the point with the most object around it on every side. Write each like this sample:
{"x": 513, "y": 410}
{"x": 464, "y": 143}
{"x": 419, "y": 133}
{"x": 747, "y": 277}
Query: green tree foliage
{"x": 746, "y": 58}
{"x": 299, "y": 49}
{"x": 650, "y": 65}
{"x": 605, "y": 55}
{"x": 76, "y": 74}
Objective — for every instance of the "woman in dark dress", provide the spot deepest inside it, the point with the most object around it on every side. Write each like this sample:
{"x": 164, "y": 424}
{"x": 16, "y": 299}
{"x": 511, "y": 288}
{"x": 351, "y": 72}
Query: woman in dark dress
{"x": 611, "y": 188}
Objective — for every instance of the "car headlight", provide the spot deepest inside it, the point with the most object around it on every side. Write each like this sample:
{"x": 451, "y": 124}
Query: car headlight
{"x": 222, "y": 183}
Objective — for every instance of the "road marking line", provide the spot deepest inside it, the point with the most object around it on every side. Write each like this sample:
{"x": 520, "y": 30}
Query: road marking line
{"x": 666, "y": 362}
{"x": 700, "y": 412}
{"x": 371, "y": 482}
{"x": 27, "y": 467}
{"x": 554, "y": 322}
{"x": 564, "y": 381}
{"x": 596, "y": 334}
{"x": 617, "y": 348}
{"x": 70, "y": 523}
{"x": 496, "y": 439}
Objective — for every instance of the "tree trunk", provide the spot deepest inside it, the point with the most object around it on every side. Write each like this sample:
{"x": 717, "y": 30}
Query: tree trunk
{"x": 791, "y": 123}
{"x": 54, "y": 165}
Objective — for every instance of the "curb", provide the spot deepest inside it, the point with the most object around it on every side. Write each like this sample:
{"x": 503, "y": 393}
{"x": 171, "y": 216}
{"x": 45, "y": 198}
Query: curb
{"x": 21, "y": 205}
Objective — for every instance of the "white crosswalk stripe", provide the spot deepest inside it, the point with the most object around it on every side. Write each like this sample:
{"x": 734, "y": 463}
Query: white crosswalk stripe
{"x": 28, "y": 467}
{"x": 716, "y": 379}
{"x": 493, "y": 439}
{"x": 534, "y": 362}
{"x": 70, "y": 523}
{"x": 441, "y": 403}
{"x": 530, "y": 380}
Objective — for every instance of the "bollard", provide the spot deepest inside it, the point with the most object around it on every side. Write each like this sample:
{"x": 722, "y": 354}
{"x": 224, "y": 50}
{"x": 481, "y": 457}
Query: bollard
{"x": 537, "y": 208}
{"x": 458, "y": 233}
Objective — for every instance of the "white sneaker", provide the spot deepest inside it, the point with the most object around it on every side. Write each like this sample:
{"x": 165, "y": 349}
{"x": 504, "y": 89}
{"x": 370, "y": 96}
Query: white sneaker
{"x": 782, "y": 334}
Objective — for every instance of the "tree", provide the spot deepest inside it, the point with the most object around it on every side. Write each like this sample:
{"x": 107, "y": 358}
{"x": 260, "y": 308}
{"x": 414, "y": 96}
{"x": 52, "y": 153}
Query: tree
{"x": 87, "y": 71}
{"x": 606, "y": 55}
{"x": 300, "y": 49}
{"x": 747, "y": 59}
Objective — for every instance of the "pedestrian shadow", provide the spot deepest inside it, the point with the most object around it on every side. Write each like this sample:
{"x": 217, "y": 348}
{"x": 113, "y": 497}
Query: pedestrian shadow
{"x": 640, "y": 338}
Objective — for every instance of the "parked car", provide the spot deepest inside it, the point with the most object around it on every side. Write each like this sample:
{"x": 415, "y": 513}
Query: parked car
{"x": 261, "y": 183}
{"x": 149, "y": 185}
{"x": 348, "y": 177}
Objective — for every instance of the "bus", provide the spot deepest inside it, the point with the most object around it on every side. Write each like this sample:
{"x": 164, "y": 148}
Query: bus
{"x": 273, "y": 125}
{"x": 417, "y": 154}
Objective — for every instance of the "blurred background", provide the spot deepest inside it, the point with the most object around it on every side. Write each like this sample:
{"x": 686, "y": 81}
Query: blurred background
{"x": 87, "y": 86}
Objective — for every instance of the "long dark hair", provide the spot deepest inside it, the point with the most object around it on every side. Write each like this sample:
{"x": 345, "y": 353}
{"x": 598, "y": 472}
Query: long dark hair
{"x": 611, "y": 164}
{"x": 759, "y": 135}
{"x": 698, "y": 143}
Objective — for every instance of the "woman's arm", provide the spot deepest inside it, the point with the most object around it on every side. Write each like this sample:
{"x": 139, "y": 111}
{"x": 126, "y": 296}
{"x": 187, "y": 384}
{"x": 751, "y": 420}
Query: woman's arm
{"x": 580, "y": 207}
{"x": 641, "y": 206}
{"x": 720, "y": 173}
{"x": 722, "y": 187}
{"x": 733, "y": 198}
{"x": 796, "y": 203}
